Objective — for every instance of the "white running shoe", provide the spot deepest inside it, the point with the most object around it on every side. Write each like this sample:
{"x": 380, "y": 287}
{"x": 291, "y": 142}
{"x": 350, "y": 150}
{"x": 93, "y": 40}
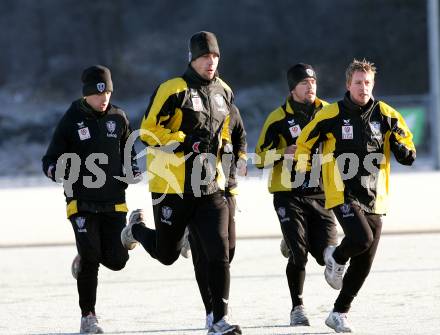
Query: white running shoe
{"x": 338, "y": 322}
{"x": 76, "y": 266}
{"x": 284, "y": 248}
{"x": 298, "y": 317}
{"x": 209, "y": 320}
{"x": 185, "y": 251}
{"x": 333, "y": 272}
{"x": 222, "y": 327}
{"x": 89, "y": 325}
{"x": 127, "y": 239}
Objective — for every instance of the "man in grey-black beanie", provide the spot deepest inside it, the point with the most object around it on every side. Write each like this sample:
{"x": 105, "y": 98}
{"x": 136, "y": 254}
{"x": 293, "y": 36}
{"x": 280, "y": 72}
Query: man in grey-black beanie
{"x": 202, "y": 43}
{"x": 307, "y": 226}
{"x": 93, "y": 130}
{"x": 298, "y": 73}
{"x": 96, "y": 80}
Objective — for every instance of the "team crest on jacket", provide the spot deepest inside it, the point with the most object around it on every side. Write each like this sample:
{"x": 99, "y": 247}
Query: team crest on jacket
{"x": 166, "y": 214}
{"x": 100, "y": 87}
{"x": 220, "y": 101}
{"x": 375, "y": 129}
{"x": 111, "y": 127}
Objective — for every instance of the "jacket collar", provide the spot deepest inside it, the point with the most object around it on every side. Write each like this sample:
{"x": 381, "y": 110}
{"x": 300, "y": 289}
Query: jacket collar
{"x": 293, "y": 106}
{"x": 89, "y": 111}
{"x": 193, "y": 77}
{"x": 351, "y": 106}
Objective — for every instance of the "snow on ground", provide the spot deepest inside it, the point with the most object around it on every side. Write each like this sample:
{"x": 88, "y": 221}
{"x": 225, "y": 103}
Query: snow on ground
{"x": 400, "y": 296}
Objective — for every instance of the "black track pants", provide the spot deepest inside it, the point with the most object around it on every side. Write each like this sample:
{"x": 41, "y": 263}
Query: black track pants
{"x": 201, "y": 263}
{"x": 362, "y": 233}
{"x": 307, "y": 227}
{"x": 207, "y": 217}
{"x": 98, "y": 240}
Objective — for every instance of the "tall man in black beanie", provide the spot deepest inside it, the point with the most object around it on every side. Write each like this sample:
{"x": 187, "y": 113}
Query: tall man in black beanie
{"x": 306, "y": 225}
{"x": 233, "y": 161}
{"x": 183, "y": 130}
{"x": 86, "y": 154}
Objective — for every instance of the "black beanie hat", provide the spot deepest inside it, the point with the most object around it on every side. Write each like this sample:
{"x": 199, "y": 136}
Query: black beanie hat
{"x": 298, "y": 73}
{"x": 202, "y": 43}
{"x": 96, "y": 79}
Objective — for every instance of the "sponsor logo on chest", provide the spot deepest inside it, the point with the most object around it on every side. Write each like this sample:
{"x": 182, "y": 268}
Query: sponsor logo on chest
{"x": 83, "y": 131}
{"x": 347, "y": 130}
{"x": 196, "y": 101}
{"x": 295, "y": 130}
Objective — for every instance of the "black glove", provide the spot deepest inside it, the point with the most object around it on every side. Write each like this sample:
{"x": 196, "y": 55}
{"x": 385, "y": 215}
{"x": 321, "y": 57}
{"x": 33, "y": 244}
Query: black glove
{"x": 196, "y": 143}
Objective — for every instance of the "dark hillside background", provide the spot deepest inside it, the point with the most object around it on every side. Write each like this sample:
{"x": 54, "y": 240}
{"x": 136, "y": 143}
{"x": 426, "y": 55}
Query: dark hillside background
{"x": 45, "y": 45}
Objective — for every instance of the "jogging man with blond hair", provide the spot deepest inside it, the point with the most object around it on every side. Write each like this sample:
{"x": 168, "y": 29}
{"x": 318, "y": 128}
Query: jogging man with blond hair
{"x": 357, "y": 134}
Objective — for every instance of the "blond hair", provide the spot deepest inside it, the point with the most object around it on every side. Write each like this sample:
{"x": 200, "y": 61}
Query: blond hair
{"x": 359, "y": 65}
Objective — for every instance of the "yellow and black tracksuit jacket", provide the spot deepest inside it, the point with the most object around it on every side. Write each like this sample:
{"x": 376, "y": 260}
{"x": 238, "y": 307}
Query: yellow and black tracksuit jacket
{"x": 85, "y": 132}
{"x": 178, "y": 107}
{"x": 281, "y": 129}
{"x": 357, "y": 142}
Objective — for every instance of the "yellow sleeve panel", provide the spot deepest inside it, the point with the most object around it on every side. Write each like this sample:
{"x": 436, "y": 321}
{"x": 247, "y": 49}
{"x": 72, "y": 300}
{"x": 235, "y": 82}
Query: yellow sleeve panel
{"x": 226, "y": 133}
{"x": 404, "y": 136}
{"x": 267, "y": 151}
{"x": 233, "y": 191}
{"x": 331, "y": 178}
{"x": 153, "y": 131}
{"x": 72, "y": 208}
{"x": 221, "y": 178}
{"x": 121, "y": 207}
{"x": 310, "y": 134}
{"x": 401, "y": 132}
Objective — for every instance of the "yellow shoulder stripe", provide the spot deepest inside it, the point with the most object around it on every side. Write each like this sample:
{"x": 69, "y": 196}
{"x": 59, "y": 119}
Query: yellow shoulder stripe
{"x": 310, "y": 134}
{"x": 225, "y": 86}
